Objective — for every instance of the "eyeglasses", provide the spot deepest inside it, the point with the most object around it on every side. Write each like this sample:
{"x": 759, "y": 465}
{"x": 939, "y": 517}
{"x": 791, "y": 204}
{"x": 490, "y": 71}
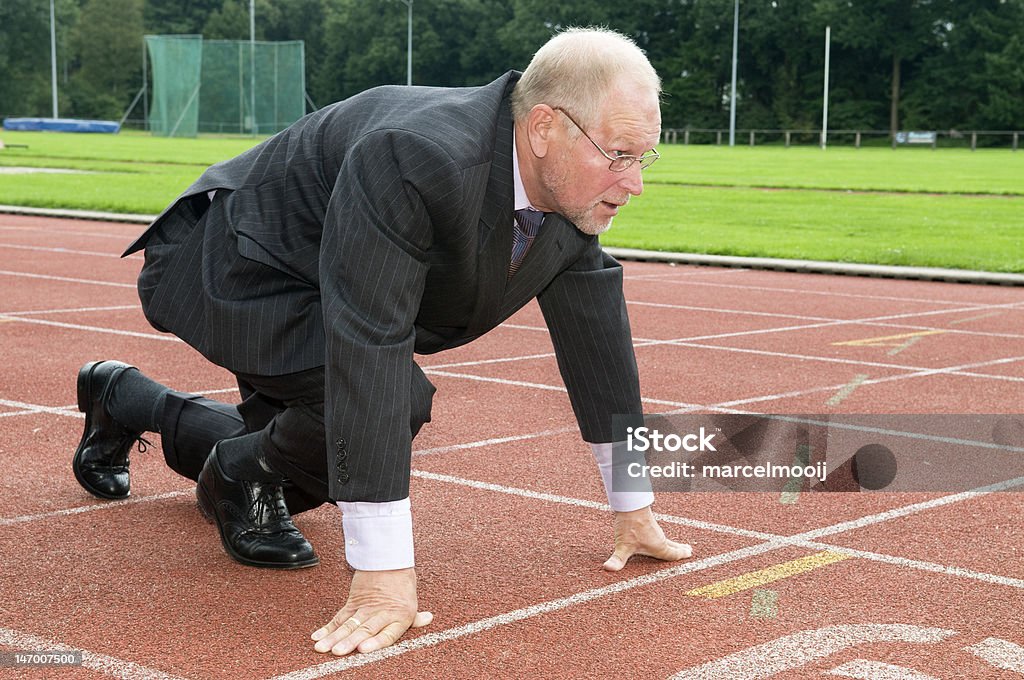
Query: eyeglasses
{"x": 620, "y": 162}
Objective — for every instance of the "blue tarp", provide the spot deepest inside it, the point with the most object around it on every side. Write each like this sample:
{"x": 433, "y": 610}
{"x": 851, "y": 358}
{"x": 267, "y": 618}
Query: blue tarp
{"x": 61, "y": 125}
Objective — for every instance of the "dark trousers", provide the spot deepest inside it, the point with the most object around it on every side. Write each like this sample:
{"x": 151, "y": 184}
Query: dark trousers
{"x": 281, "y": 417}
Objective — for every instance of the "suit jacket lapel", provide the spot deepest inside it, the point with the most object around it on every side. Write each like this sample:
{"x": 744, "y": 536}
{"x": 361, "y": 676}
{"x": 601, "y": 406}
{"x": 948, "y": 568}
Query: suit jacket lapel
{"x": 495, "y": 247}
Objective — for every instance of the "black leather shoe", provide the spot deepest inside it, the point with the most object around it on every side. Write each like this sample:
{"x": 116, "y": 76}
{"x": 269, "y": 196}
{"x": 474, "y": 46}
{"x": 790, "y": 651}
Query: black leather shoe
{"x": 101, "y": 460}
{"x": 254, "y": 523}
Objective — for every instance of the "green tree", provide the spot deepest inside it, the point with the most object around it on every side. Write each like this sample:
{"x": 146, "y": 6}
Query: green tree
{"x": 231, "y": 20}
{"x": 894, "y": 31}
{"x": 178, "y": 16}
{"x": 108, "y": 56}
{"x": 25, "y": 68}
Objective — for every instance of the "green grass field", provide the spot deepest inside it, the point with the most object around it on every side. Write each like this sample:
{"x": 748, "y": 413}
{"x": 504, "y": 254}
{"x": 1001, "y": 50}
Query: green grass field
{"x": 945, "y": 208}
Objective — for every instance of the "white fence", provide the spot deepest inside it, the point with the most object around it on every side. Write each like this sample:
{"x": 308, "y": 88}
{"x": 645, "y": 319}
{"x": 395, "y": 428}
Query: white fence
{"x": 935, "y": 139}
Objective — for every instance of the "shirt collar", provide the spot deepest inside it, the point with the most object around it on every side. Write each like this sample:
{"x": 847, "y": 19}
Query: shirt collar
{"x": 521, "y": 199}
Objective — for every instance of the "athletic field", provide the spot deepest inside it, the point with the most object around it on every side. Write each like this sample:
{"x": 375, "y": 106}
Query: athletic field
{"x": 916, "y": 207}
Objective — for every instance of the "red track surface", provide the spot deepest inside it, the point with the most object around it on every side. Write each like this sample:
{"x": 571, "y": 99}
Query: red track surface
{"x": 509, "y": 541}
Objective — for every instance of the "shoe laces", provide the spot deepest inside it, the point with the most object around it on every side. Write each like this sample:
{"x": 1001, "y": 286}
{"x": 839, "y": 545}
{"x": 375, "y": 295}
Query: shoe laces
{"x": 127, "y": 440}
{"x": 269, "y": 502}
{"x": 142, "y": 444}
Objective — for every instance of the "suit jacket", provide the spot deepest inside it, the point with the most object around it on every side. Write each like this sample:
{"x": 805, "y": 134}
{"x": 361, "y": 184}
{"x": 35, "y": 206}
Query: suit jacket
{"x": 374, "y": 228}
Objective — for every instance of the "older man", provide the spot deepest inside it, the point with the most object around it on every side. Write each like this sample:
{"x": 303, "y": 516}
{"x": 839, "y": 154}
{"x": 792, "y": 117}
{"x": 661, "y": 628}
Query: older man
{"x": 314, "y": 266}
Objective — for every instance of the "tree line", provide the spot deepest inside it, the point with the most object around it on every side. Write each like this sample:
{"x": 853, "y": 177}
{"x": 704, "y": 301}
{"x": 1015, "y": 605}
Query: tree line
{"x": 895, "y": 64}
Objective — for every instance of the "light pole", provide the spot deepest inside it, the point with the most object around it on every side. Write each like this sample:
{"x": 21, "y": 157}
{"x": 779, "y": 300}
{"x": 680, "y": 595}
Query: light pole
{"x": 53, "y": 57}
{"x": 408, "y": 56}
{"x": 732, "y": 97}
{"x": 824, "y": 104}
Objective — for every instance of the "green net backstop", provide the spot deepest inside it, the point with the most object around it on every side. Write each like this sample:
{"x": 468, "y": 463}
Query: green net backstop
{"x": 208, "y": 85}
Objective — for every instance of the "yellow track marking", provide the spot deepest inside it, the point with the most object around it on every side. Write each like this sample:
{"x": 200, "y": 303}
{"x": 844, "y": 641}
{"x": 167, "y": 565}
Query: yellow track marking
{"x": 768, "y": 575}
{"x": 887, "y": 340}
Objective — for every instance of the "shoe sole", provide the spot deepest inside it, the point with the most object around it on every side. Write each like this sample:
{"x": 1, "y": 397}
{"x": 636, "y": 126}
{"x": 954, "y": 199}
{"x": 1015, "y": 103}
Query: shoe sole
{"x": 84, "y": 399}
{"x": 206, "y": 507}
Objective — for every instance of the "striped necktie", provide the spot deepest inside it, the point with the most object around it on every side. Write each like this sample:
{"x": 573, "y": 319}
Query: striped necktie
{"x": 527, "y": 224}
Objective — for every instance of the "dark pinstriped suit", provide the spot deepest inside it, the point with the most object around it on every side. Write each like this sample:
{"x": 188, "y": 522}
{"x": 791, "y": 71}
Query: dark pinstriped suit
{"x": 373, "y": 228}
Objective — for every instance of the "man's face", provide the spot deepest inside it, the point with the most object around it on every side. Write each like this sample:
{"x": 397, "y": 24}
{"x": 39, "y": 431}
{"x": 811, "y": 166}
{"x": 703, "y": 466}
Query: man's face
{"x": 576, "y": 175}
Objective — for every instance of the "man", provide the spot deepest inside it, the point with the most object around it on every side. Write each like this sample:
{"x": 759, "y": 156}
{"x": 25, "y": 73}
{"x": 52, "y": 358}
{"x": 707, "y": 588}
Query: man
{"x": 313, "y": 267}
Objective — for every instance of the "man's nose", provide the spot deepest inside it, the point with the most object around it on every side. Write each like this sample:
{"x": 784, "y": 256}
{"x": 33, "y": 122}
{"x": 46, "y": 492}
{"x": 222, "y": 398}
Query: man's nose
{"x": 633, "y": 179}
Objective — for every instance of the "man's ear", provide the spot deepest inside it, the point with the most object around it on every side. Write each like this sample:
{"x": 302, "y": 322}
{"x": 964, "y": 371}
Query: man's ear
{"x": 540, "y": 129}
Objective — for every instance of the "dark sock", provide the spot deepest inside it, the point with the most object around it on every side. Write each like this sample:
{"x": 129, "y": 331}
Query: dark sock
{"x": 241, "y": 459}
{"x": 137, "y": 402}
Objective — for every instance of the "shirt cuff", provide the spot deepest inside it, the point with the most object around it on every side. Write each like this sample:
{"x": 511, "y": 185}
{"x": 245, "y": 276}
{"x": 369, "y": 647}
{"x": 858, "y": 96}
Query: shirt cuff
{"x": 378, "y": 536}
{"x": 620, "y": 501}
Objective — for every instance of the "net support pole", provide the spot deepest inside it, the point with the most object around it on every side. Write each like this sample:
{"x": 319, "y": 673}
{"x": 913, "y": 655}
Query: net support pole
{"x": 191, "y": 99}
{"x": 252, "y": 62}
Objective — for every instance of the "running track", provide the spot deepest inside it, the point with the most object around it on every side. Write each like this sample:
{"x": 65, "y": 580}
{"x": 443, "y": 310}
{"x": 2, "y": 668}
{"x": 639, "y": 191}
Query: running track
{"x": 510, "y": 526}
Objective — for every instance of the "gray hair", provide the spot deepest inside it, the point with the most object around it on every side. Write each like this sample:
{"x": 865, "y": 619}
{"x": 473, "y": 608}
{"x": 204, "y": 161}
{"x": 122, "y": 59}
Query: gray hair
{"x": 575, "y": 70}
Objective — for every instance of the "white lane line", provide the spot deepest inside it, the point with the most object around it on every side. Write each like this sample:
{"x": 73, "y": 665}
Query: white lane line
{"x": 550, "y": 388}
{"x": 487, "y": 362}
{"x": 66, "y": 251}
{"x": 435, "y": 639}
{"x": 66, "y": 279}
{"x": 802, "y": 540}
{"x": 825, "y": 293}
{"x": 637, "y": 342}
{"x": 911, "y": 509}
{"x": 37, "y": 408}
{"x": 974, "y": 318}
{"x": 830, "y": 324}
{"x": 72, "y": 409}
{"x": 91, "y": 233}
{"x": 493, "y": 442}
{"x": 102, "y": 663}
{"x": 919, "y": 565}
{"x": 835, "y": 360}
{"x": 807, "y": 646}
{"x": 950, "y": 331}
{"x": 691, "y": 270}
{"x": 69, "y": 310}
{"x": 164, "y": 337}
{"x": 106, "y": 505}
{"x": 952, "y": 370}
{"x": 864, "y": 669}
{"x": 501, "y": 381}
{"x": 772, "y": 543}
{"x": 690, "y": 342}
{"x": 732, "y": 312}
{"x": 1001, "y": 654}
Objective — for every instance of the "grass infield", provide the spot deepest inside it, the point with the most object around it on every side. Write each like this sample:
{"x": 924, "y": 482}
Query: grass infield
{"x": 918, "y": 207}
